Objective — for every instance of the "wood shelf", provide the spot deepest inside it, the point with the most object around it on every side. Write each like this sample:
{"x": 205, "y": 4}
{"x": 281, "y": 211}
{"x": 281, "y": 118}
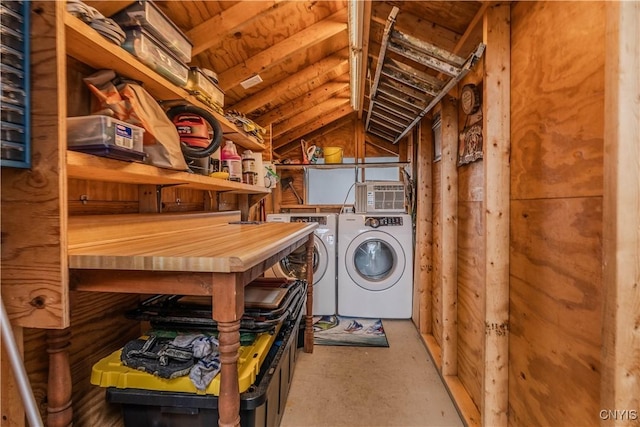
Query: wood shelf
{"x": 343, "y": 166}
{"x": 314, "y": 207}
{"x": 90, "y": 167}
{"x": 88, "y": 46}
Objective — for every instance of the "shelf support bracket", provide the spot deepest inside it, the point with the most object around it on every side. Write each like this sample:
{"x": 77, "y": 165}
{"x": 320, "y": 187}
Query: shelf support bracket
{"x": 159, "y": 189}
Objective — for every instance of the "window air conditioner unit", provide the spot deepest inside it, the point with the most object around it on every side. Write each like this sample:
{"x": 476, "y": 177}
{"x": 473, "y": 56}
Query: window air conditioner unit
{"x": 380, "y": 197}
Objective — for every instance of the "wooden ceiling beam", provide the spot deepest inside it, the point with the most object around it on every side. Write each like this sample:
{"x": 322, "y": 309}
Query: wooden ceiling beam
{"x": 308, "y": 115}
{"x": 209, "y": 32}
{"x": 382, "y": 144}
{"x": 337, "y": 124}
{"x": 364, "y": 66}
{"x": 313, "y": 76}
{"x": 276, "y": 54}
{"x": 309, "y": 99}
{"x": 314, "y": 125}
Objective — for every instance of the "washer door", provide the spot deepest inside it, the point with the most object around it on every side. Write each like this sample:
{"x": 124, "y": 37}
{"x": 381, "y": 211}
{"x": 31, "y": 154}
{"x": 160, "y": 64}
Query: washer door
{"x": 375, "y": 260}
{"x": 295, "y": 264}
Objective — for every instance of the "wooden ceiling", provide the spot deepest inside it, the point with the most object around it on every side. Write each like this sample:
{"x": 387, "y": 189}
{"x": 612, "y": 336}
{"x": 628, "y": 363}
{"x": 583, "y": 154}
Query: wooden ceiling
{"x": 300, "y": 50}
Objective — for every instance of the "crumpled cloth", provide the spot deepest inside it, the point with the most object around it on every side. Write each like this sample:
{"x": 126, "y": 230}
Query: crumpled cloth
{"x": 207, "y": 355}
{"x": 196, "y": 355}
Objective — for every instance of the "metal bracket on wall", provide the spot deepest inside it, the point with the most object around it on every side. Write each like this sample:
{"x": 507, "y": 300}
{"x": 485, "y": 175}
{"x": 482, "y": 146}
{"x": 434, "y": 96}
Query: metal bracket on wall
{"x": 159, "y": 188}
{"x": 402, "y": 94}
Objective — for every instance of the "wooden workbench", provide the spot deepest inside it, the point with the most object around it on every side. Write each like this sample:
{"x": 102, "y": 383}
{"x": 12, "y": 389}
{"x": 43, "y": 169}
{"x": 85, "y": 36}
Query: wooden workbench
{"x": 198, "y": 254}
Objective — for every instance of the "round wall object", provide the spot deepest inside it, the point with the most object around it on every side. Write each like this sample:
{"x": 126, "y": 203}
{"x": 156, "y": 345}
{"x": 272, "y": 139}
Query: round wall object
{"x": 470, "y": 99}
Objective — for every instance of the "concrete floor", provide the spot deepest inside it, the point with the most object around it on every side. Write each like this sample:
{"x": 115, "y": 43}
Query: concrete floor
{"x": 362, "y": 386}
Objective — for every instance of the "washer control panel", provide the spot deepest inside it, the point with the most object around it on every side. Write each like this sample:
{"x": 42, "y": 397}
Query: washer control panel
{"x": 322, "y": 220}
{"x": 383, "y": 221}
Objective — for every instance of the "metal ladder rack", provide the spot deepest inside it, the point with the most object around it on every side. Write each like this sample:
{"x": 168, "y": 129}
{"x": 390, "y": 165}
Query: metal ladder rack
{"x": 400, "y": 94}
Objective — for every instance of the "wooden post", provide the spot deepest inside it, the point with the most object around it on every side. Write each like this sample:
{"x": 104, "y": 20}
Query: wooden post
{"x": 620, "y": 388}
{"x": 497, "y": 131}
{"x": 228, "y": 308}
{"x": 449, "y": 191}
{"x": 424, "y": 228}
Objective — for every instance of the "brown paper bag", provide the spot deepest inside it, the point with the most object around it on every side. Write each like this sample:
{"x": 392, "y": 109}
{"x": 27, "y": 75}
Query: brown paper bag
{"x": 131, "y": 103}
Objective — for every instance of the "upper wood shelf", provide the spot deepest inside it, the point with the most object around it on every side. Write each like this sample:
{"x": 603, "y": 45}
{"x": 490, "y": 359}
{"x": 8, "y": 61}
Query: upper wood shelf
{"x": 343, "y": 166}
{"x": 88, "y": 166}
{"x": 88, "y": 46}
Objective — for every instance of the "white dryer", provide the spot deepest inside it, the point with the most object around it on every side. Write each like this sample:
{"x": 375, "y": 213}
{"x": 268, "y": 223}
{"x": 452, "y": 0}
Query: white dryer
{"x": 375, "y": 265}
{"x": 324, "y": 260}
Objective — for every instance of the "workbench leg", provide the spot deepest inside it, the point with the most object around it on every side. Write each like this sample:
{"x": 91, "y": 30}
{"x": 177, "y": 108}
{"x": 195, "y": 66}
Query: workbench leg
{"x": 59, "y": 409}
{"x": 229, "y": 400}
{"x": 228, "y": 307}
{"x": 308, "y": 327}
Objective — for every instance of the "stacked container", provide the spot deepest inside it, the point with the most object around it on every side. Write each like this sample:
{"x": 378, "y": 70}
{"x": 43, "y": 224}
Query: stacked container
{"x": 14, "y": 72}
{"x": 156, "y": 41}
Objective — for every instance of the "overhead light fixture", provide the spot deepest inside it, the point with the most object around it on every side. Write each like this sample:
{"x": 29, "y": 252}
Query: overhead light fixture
{"x": 355, "y": 14}
{"x": 251, "y": 81}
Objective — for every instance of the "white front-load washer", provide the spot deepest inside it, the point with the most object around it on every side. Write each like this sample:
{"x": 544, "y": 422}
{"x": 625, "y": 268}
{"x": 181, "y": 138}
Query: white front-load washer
{"x": 324, "y": 260}
{"x": 375, "y": 265}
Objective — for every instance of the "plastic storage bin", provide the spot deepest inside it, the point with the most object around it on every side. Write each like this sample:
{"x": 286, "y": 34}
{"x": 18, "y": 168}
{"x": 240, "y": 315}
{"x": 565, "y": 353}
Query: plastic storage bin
{"x": 204, "y": 87}
{"x": 110, "y": 372}
{"x": 105, "y": 136}
{"x": 261, "y": 405}
{"x": 143, "y": 45}
{"x": 148, "y": 15}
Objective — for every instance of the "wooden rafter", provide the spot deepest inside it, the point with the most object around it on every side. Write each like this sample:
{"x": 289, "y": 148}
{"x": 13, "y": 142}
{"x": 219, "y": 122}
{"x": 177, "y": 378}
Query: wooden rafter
{"x": 213, "y": 29}
{"x": 331, "y": 127}
{"x": 309, "y": 99}
{"x": 311, "y": 126}
{"x": 382, "y": 144}
{"x": 365, "y": 54}
{"x": 280, "y": 52}
{"x": 313, "y": 76}
{"x": 309, "y": 115}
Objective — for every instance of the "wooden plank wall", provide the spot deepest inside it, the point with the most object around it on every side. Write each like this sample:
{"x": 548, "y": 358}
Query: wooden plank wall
{"x": 556, "y": 302}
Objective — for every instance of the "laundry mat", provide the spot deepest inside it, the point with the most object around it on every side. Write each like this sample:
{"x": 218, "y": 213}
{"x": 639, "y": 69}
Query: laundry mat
{"x": 349, "y": 331}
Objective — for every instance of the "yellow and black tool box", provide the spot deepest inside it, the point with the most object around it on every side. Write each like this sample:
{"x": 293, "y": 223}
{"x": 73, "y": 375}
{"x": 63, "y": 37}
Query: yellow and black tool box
{"x": 265, "y": 368}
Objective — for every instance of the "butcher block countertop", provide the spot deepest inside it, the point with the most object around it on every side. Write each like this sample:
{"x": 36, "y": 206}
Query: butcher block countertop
{"x": 221, "y": 248}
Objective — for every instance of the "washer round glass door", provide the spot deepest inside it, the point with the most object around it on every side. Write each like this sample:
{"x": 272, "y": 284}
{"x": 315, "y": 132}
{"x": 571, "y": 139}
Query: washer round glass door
{"x": 295, "y": 264}
{"x": 375, "y": 260}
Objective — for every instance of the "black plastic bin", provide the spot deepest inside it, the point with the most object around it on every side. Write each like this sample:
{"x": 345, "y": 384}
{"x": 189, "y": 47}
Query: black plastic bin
{"x": 262, "y": 405}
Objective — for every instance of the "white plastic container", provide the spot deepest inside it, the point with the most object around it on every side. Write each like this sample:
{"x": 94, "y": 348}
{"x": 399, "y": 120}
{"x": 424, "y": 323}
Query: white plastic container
{"x": 104, "y": 131}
